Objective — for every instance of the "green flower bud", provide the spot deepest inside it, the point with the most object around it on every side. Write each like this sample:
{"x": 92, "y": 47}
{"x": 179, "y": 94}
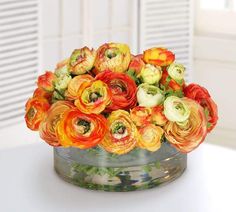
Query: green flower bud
{"x": 56, "y": 96}
{"x": 176, "y": 110}
{"x": 176, "y": 71}
{"x": 151, "y": 74}
{"x": 64, "y": 70}
{"x": 61, "y": 82}
{"x": 149, "y": 95}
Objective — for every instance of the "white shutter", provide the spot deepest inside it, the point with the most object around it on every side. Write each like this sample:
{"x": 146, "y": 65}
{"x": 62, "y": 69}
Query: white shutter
{"x": 167, "y": 23}
{"x": 19, "y": 56}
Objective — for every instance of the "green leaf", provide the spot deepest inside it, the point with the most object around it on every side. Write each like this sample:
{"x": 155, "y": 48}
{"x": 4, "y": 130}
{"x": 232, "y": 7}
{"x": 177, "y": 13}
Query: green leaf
{"x": 158, "y": 165}
{"x": 147, "y": 168}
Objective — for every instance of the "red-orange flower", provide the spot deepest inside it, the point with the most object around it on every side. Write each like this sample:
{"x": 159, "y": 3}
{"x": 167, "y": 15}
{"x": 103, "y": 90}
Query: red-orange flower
{"x": 74, "y": 85}
{"x": 202, "y": 96}
{"x": 39, "y": 92}
{"x": 158, "y": 56}
{"x": 196, "y": 92}
{"x": 35, "y": 111}
{"x": 157, "y": 115}
{"x": 93, "y": 97}
{"x": 81, "y": 130}
{"x": 123, "y": 90}
{"x": 48, "y": 125}
{"x": 141, "y": 115}
{"x": 45, "y": 81}
{"x": 170, "y": 83}
{"x": 136, "y": 63}
{"x": 188, "y": 135}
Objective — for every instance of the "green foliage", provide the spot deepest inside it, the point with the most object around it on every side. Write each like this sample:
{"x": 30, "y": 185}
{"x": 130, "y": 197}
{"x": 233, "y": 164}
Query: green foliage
{"x": 133, "y": 75}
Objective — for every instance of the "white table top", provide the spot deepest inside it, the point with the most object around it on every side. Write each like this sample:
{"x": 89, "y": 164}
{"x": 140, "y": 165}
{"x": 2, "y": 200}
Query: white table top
{"x": 29, "y": 183}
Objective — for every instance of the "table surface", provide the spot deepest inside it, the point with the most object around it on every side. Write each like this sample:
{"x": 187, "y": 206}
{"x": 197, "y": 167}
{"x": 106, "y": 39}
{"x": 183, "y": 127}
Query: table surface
{"x": 29, "y": 183}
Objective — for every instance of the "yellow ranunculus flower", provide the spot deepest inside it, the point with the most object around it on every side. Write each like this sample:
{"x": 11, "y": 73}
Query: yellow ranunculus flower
{"x": 74, "y": 85}
{"x": 188, "y": 136}
{"x": 93, "y": 97}
{"x": 122, "y": 134}
{"x": 82, "y": 60}
{"x": 150, "y": 137}
{"x": 113, "y": 56}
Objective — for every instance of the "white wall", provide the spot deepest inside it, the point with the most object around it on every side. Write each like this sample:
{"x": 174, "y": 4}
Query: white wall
{"x": 215, "y": 68}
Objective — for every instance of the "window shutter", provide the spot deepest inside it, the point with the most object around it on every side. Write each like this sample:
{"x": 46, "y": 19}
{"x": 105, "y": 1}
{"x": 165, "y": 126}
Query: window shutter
{"x": 167, "y": 24}
{"x": 19, "y": 56}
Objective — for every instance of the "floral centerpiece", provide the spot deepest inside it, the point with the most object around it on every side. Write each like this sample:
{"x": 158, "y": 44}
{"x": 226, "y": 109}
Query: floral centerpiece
{"x": 116, "y": 119}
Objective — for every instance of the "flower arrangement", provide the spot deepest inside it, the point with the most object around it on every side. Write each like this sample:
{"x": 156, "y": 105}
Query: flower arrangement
{"x": 117, "y": 101}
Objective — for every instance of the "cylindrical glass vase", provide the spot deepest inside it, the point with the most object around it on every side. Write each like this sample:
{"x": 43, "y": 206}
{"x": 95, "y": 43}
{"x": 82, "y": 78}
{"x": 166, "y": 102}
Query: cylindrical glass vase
{"x": 99, "y": 170}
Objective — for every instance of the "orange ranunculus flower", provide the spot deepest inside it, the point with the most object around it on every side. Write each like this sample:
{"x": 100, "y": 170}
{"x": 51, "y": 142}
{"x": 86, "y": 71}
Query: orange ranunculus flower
{"x": 93, "y": 97}
{"x": 74, "y": 85}
{"x": 201, "y": 95}
{"x": 82, "y": 60}
{"x": 141, "y": 115}
{"x": 122, "y": 134}
{"x": 150, "y": 137}
{"x": 39, "y": 92}
{"x": 35, "y": 111}
{"x": 112, "y": 56}
{"x": 80, "y": 130}
{"x": 171, "y": 84}
{"x": 123, "y": 90}
{"x": 157, "y": 115}
{"x": 188, "y": 135}
{"x": 45, "y": 81}
{"x": 158, "y": 56}
{"x": 48, "y": 125}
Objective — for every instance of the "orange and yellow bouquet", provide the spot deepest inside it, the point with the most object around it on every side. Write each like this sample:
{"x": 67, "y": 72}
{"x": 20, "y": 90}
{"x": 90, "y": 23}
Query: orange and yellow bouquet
{"x": 111, "y": 98}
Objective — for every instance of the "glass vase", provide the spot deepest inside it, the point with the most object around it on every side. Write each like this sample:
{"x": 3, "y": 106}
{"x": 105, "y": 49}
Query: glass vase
{"x": 139, "y": 169}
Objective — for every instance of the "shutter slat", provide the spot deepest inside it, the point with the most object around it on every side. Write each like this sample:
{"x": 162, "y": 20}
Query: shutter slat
{"x": 17, "y": 32}
{"x": 13, "y": 66}
{"x": 18, "y": 71}
{"x": 18, "y": 5}
{"x": 17, "y": 12}
{"x": 17, "y": 86}
{"x": 18, "y": 39}
{"x": 18, "y": 52}
{"x": 14, "y": 101}
{"x": 20, "y": 90}
{"x": 171, "y": 16}
{"x": 15, "y": 120}
{"x": 19, "y": 58}
{"x": 18, "y": 25}
{"x": 18, "y": 79}
{"x": 19, "y": 45}
{"x": 18, "y": 19}
{"x": 11, "y": 112}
